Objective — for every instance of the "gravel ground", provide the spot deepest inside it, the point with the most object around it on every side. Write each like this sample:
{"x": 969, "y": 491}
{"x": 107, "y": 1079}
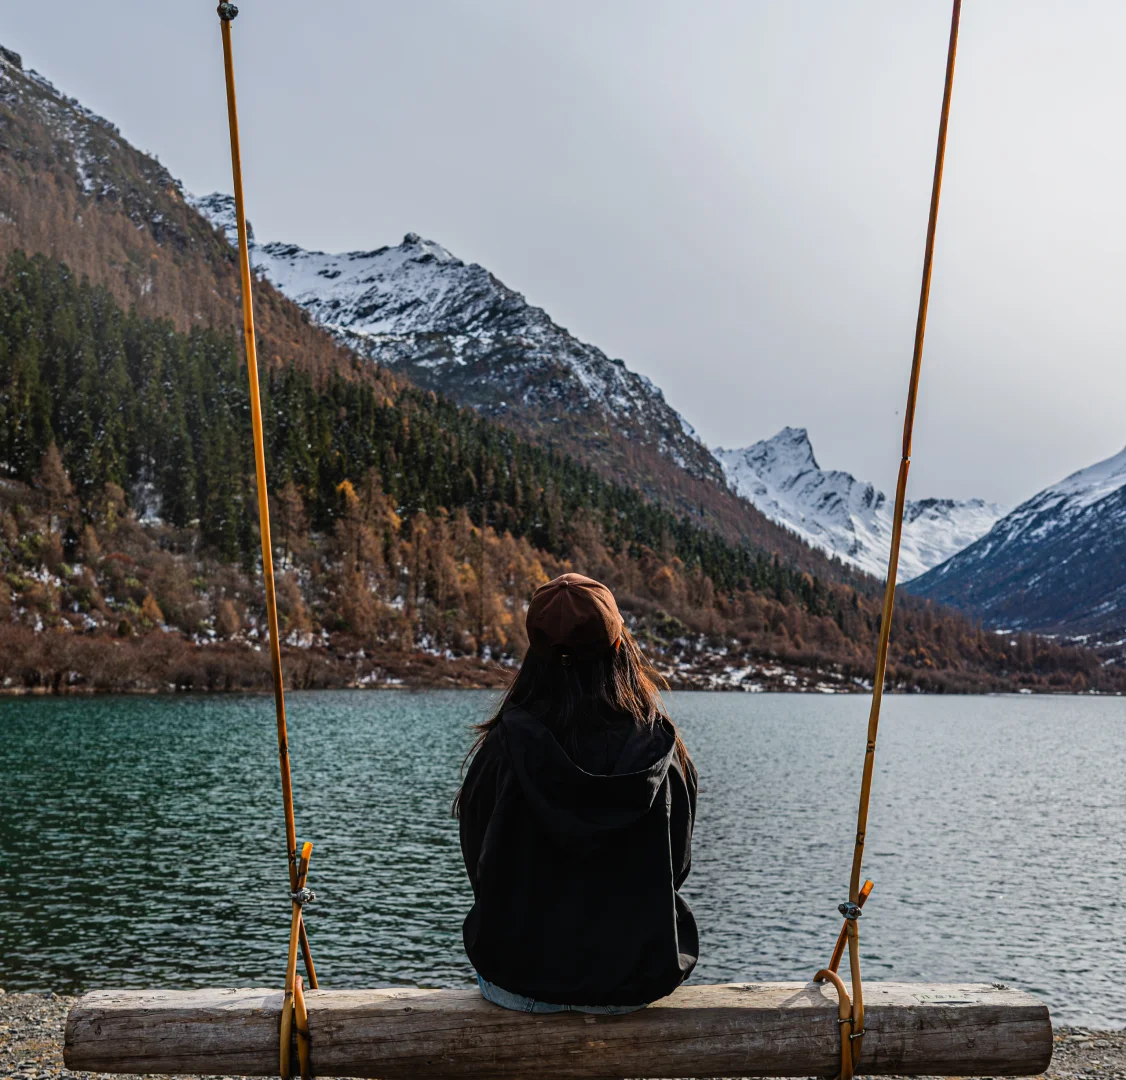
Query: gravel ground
{"x": 31, "y": 1044}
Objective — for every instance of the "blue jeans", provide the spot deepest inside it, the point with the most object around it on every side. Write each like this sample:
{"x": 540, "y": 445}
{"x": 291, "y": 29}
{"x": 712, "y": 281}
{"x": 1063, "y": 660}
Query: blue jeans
{"x": 519, "y": 1003}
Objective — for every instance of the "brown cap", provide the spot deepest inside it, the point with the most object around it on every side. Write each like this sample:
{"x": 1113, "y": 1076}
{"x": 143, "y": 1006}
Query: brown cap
{"x": 573, "y": 614}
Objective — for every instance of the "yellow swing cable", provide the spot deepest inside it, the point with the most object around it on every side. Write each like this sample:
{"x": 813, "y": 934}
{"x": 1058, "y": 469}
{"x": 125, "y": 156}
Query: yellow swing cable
{"x": 852, "y": 1018}
{"x": 298, "y": 866}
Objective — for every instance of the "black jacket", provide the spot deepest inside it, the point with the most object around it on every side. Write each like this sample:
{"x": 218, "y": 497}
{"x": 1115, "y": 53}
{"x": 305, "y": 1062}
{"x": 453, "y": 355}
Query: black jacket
{"x": 575, "y": 858}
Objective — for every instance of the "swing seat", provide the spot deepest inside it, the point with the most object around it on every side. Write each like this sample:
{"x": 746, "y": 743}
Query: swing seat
{"x": 739, "y": 1029}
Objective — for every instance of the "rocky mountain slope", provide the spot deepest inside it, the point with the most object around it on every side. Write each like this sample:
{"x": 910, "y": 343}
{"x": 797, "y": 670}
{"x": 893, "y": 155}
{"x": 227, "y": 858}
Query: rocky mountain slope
{"x": 1057, "y": 562}
{"x": 847, "y": 517}
{"x": 452, "y": 327}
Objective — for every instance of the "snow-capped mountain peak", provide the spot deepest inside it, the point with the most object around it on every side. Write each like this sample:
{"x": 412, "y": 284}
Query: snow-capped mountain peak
{"x": 789, "y": 453}
{"x": 1053, "y": 563}
{"x": 834, "y": 511}
{"x": 1089, "y": 485}
{"x": 219, "y": 209}
{"x": 451, "y": 326}
{"x": 1057, "y": 506}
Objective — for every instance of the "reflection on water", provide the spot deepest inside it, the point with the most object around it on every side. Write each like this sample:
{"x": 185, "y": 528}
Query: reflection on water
{"x": 143, "y": 840}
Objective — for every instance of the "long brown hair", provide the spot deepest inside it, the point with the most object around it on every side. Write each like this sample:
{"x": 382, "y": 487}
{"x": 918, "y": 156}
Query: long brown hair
{"x": 574, "y": 695}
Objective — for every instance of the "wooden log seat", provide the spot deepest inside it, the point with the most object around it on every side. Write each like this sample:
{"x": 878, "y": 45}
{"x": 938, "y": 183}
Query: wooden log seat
{"x": 739, "y": 1029}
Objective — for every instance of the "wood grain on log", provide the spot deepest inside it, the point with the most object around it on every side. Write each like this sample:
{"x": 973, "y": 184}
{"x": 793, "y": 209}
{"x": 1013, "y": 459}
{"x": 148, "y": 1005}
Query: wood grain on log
{"x": 740, "y": 1029}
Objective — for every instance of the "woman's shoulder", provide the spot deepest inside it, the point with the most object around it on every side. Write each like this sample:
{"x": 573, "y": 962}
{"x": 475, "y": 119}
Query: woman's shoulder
{"x": 511, "y": 723}
{"x": 490, "y": 749}
{"x": 682, "y": 759}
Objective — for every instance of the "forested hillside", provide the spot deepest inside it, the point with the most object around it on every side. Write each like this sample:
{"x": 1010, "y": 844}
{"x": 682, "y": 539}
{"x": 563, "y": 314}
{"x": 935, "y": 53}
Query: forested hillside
{"x": 72, "y": 188}
{"x": 409, "y": 533}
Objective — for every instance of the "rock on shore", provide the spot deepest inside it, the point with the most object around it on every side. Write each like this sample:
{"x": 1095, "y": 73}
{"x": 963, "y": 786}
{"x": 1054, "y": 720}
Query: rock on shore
{"x": 31, "y": 1044}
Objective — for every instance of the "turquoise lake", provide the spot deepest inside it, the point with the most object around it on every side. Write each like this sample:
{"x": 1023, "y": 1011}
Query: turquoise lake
{"x": 143, "y": 843}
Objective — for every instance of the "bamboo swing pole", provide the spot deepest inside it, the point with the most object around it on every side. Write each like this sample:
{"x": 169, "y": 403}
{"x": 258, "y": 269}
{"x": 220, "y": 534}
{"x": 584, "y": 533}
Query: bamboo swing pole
{"x": 896, "y": 534}
{"x": 226, "y": 13}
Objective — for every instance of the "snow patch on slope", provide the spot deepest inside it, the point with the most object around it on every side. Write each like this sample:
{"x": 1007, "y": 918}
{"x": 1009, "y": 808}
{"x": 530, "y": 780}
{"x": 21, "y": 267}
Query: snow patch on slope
{"x": 843, "y": 516}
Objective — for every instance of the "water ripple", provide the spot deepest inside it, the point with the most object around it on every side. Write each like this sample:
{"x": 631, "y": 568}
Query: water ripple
{"x": 143, "y": 843}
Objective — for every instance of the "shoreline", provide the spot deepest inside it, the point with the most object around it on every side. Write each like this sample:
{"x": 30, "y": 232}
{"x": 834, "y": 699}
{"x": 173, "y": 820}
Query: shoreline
{"x": 404, "y": 687}
{"x": 59, "y": 663}
{"x": 31, "y": 1039}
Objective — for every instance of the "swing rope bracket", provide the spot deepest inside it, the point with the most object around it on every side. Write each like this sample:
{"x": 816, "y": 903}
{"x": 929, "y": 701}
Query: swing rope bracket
{"x": 227, "y": 12}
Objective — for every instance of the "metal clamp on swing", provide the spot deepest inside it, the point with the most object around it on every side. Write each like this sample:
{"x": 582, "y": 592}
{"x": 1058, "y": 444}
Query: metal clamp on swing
{"x": 227, "y": 12}
{"x": 303, "y": 896}
{"x": 850, "y": 911}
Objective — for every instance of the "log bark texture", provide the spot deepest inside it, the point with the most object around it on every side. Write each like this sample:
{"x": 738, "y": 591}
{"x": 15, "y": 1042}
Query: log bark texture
{"x": 740, "y": 1029}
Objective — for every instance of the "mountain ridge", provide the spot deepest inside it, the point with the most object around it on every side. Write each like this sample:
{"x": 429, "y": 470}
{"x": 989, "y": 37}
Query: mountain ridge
{"x": 846, "y": 517}
{"x": 1056, "y": 563}
{"x": 72, "y": 188}
{"x": 454, "y": 327}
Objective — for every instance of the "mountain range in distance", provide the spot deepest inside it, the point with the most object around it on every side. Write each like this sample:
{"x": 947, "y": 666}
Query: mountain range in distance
{"x": 453, "y": 327}
{"x": 74, "y": 188}
{"x": 1054, "y": 563}
{"x": 557, "y": 419}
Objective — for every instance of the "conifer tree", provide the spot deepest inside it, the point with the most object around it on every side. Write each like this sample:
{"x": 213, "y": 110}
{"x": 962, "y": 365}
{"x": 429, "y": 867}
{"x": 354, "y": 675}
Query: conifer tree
{"x": 55, "y": 485}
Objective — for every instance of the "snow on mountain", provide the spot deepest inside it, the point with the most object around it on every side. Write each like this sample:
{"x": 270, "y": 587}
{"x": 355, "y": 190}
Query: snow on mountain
{"x": 1057, "y": 562}
{"x": 452, "y": 327}
{"x": 844, "y": 516}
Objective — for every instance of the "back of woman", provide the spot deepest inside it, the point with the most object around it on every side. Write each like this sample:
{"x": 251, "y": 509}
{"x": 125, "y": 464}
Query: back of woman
{"x": 576, "y": 821}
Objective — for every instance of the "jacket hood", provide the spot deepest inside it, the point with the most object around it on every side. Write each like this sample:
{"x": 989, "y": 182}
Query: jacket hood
{"x": 578, "y": 806}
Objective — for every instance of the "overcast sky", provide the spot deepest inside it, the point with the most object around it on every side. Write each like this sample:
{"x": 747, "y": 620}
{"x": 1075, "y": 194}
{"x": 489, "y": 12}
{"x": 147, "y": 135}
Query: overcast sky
{"x": 730, "y": 196}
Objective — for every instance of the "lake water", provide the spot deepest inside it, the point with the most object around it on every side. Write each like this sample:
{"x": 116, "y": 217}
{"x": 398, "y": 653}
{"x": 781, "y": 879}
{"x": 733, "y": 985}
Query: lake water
{"x": 142, "y": 840}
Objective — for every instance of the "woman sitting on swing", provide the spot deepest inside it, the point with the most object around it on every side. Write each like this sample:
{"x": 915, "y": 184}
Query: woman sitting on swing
{"x": 576, "y": 821}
